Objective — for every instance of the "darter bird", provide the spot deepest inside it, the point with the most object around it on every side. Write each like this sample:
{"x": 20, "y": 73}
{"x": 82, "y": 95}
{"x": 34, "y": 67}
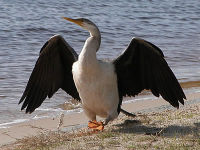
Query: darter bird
{"x": 99, "y": 85}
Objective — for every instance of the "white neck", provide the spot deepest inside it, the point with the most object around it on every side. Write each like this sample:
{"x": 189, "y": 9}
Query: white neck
{"x": 95, "y": 33}
{"x": 91, "y": 46}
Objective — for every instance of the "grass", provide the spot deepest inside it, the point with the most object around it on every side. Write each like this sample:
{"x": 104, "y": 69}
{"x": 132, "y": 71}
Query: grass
{"x": 170, "y": 130}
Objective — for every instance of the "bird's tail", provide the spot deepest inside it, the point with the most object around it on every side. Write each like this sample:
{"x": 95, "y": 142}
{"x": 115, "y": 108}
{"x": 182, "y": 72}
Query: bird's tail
{"x": 127, "y": 113}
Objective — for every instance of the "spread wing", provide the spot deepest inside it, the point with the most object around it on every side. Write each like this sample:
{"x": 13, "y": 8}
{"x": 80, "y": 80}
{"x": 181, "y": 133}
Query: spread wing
{"x": 53, "y": 70}
{"x": 142, "y": 66}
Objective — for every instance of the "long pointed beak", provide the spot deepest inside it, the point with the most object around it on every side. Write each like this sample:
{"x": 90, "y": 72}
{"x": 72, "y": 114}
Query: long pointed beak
{"x": 76, "y": 21}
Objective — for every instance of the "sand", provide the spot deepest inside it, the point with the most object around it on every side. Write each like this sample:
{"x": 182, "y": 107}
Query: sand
{"x": 79, "y": 120}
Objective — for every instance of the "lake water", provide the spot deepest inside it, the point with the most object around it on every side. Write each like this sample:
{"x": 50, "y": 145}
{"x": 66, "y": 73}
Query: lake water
{"x": 26, "y": 25}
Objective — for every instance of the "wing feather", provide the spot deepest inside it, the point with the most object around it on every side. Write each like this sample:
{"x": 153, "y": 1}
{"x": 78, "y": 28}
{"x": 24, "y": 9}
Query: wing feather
{"x": 51, "y": 72}
{"x": 142, "y": 66}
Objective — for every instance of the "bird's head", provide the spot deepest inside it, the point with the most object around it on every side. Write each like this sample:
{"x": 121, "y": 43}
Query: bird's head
{"x": 85, "y": 24}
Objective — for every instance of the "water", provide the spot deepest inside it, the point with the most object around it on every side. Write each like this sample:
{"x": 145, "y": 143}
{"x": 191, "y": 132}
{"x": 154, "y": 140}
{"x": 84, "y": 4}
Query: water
{"x": 26, "y": 25}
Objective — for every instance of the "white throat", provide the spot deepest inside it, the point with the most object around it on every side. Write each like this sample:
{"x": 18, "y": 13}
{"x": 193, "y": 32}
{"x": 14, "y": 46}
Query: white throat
{"x": 91, "y": 46}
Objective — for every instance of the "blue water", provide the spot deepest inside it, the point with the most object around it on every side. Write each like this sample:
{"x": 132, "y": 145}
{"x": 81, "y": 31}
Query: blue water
{"x": 26, "y": 25}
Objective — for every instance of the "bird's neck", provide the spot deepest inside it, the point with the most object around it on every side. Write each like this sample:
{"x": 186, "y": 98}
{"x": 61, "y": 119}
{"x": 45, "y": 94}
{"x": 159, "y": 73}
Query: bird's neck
{"x": 96, "y": 35}
{"x": 91, "y": 46}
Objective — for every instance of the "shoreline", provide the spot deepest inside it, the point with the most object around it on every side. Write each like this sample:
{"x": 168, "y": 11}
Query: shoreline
{"x": 79, "y": 120}
{"x": 73, "y": 106}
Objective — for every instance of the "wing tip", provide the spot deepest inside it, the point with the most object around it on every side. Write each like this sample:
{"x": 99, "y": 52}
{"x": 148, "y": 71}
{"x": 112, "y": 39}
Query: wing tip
{"x": 20, "y": 101}
{"x": 28, "y": 111}
{"x": 22, "y": 98}
{"x": 181, "y": 101}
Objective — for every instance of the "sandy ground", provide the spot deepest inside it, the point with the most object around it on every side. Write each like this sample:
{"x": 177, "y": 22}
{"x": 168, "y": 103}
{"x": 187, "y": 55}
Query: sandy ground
{"x": 79, "y": 120}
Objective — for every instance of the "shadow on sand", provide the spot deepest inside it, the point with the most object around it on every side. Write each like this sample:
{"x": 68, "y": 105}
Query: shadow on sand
{"x": 136, "y": 127}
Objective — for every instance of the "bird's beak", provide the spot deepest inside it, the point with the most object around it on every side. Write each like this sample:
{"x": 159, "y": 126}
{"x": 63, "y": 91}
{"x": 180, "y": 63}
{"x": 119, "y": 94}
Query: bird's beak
{"x": 76, "y": 21}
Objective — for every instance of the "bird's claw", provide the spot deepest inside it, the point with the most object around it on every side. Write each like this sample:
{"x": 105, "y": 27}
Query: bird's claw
{"x": 96, "y": 125}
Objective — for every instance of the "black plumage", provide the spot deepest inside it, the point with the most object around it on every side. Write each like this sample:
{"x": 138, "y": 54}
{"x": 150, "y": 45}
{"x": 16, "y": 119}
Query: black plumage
{"x": 142, "y": 66}
{"x": 51, "y": 72}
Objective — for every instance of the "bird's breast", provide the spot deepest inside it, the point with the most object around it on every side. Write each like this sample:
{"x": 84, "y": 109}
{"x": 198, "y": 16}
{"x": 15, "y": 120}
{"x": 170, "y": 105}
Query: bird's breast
{"x": 97, "y": 86}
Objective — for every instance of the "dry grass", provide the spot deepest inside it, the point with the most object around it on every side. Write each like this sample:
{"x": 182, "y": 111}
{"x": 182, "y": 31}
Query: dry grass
{"x": 172, "y": 129}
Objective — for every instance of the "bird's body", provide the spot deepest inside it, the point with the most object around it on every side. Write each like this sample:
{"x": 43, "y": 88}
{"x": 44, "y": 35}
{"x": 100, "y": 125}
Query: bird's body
{"x": 100, "y": 85}
{"x": 96, "y": 81}
{"x": 97, "y": 87}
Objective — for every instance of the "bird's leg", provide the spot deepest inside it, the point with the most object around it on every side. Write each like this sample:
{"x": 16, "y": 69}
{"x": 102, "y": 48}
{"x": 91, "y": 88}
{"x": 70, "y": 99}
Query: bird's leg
{"x": 96, "y": 125}
{"x": 99, "y": 125}
{"x": 93, "y": 124}
{"x": 107, "y": 120}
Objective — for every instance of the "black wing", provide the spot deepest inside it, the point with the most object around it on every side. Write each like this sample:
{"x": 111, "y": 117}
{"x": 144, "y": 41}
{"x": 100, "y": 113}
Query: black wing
{"x": 142, "y": 66}
{"x": 53, "y": 70}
